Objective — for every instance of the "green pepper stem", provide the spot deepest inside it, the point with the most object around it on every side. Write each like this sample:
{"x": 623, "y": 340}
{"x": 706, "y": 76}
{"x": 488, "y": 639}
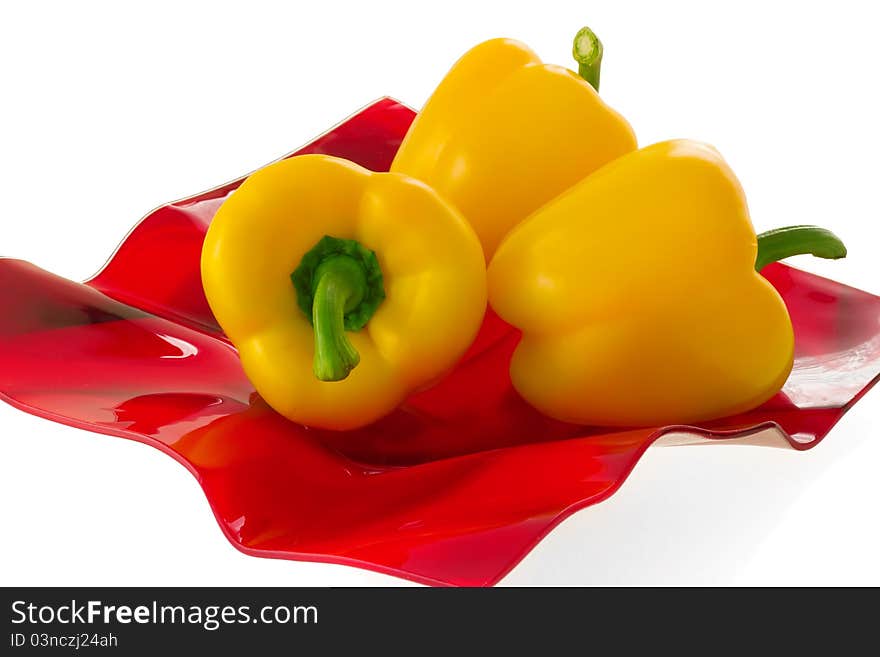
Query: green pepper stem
{"x": 340, "y": 286}
{"x": 587, "y": 52}
{"x": 796, "y": 240}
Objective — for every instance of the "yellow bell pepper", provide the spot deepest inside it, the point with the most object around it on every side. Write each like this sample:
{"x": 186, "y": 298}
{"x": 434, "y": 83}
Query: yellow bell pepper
{"x": 343, "y": 290}
{"x": 638, "y": 296}
{"x": 504, "y": 133}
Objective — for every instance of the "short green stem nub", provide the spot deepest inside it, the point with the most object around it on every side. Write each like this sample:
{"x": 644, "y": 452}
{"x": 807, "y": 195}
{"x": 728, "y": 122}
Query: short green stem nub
{"x": 339, "y": 286}
{"x": 797, "y": 240}
{"x": 587, "y": 52}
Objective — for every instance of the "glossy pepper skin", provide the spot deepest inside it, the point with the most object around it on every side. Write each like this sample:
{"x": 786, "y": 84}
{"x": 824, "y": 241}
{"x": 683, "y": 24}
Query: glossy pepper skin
{"x": 638, "y": 299}
{"x": 432, "y": 267}
{"x": 504, "y": 133}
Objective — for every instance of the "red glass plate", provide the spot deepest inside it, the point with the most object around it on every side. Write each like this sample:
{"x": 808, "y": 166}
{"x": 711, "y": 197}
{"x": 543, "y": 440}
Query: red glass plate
{"x": 455, "y": 487}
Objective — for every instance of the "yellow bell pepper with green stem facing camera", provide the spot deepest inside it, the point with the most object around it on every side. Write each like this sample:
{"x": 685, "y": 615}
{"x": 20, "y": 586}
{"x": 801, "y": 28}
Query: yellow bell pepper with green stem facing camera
{"x": 504, "y": 133}
{"x": 639, "y": 296}
{"x": 343, "y": 290}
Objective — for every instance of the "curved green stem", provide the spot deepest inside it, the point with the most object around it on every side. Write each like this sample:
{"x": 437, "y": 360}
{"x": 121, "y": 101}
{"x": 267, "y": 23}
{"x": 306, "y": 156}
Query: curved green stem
{"x": 338, "y": 286}
{"x": 796, "y": 240}
{"x": 587, "y": 51}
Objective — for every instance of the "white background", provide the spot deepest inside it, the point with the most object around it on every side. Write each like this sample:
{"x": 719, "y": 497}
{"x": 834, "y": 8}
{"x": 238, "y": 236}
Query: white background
{"x": 108, "y": 111}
